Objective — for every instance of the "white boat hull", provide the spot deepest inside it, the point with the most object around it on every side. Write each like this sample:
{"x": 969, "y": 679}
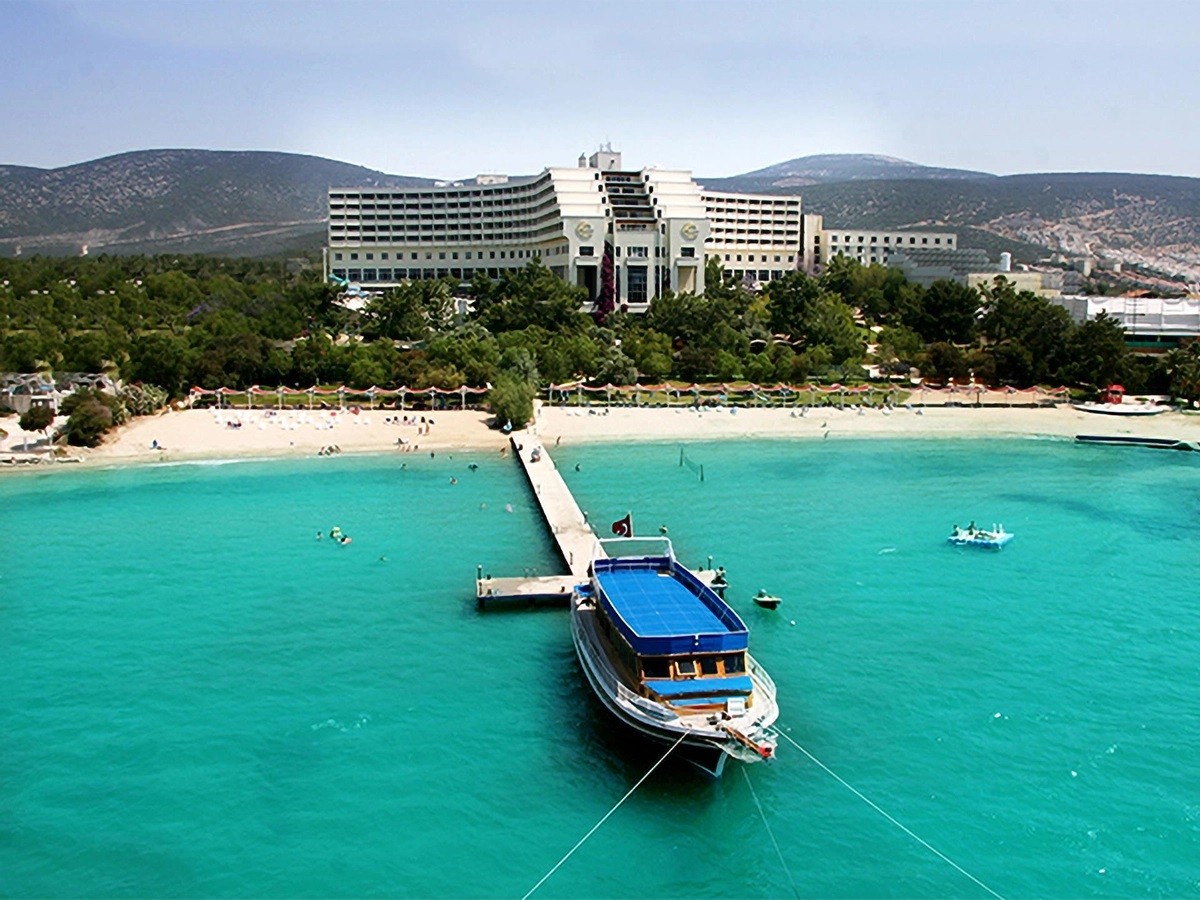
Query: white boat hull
{"x": 1122, "y": 409}
{"x": 704, "y": 745}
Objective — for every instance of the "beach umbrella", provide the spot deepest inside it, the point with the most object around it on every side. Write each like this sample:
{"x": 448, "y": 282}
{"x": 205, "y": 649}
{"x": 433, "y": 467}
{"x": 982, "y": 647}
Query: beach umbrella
{"x": 280, "y": 392}
{"x": 462, "y": 393}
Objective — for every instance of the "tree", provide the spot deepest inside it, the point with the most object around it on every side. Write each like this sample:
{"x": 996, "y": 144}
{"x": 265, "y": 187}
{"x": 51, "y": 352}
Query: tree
{"x": 511, "y": 400}
{"x": 1098, "y": 354}
{"x": 36, "y": 418}
{"x": 1182, "y": 368}
{"x": 946, "y": 313}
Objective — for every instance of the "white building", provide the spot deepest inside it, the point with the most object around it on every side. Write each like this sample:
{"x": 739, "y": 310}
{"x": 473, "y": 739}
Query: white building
{"x": 1150, "y": 323}
{"x": 864, "y": 245}
{"x": 654, "y": 224}
{"x": 756, "y": 237}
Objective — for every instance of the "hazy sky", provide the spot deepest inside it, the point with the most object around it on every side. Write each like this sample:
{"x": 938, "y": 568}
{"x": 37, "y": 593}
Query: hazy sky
{"x": 450, "y": 89}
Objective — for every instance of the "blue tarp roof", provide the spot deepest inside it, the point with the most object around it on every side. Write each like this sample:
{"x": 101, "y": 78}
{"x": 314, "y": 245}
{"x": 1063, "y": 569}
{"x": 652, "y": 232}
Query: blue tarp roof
{"x": 664, "y": 612}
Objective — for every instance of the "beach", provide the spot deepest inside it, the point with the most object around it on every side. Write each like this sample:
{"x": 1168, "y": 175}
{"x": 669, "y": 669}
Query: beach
{"x": 180, "y": 435}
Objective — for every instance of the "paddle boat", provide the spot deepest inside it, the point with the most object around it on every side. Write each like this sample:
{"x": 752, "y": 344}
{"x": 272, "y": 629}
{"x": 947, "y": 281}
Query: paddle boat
{"x": 990, "y": 539}
{"x": 669, "y": 659}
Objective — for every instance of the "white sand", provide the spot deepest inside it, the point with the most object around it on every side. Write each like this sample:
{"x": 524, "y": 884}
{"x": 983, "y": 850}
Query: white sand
{"x": 206, "y": 434}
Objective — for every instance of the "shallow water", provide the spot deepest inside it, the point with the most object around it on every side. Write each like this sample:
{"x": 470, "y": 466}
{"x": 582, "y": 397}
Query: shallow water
{"x": 201, "y": 699}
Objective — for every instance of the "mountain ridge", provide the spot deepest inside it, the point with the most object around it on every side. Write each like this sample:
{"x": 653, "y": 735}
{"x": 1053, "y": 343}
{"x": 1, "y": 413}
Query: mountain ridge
{"x": 256, "y": 203}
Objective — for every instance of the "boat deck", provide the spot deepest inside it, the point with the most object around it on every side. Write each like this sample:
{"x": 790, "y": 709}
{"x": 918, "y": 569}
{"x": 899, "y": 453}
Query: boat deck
{"x": 654, "y": 604}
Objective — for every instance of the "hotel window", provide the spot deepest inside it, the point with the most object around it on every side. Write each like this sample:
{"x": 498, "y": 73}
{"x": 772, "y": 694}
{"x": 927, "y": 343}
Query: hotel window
{"x": 924, "y": 240}
{"x": 442, "y": 255}
{"x": 777, "y": 259}
{"x": 337, "y": 256}
{"x": 370, "y": 256}
{"x": 937, "y": 240}
{"x": 688, "y": 252}
{"x": 354, "y": 256}
{"x": 454, "y": 255}
{"x": 587, "y": 251}
{"x": 383, "y": 256}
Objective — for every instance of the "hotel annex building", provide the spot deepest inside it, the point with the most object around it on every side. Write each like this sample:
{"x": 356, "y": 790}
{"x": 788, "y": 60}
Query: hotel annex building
{"x": 656, "y": 226}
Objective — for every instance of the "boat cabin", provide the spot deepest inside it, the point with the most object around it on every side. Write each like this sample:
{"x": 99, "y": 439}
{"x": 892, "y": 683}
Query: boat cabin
{"x": 671, "y": 635}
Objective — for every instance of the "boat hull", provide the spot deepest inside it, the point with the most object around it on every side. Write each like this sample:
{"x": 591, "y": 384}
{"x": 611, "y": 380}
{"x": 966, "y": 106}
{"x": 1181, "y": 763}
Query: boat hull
{"x": 1120, "y": 409}
{"x": 706, "y": 752}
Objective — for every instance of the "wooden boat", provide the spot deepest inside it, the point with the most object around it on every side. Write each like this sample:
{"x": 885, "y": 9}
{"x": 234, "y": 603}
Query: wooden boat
{"x": 669, "y": 658}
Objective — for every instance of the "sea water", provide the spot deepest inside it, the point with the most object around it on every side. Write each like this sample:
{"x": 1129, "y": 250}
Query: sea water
{"x": 198, "y": 697}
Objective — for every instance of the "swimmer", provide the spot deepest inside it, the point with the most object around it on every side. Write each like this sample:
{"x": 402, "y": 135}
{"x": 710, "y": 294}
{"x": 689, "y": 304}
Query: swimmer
{"x": 453, "y": 480}
{"x": 473, "y": 467}
{"x": 577, "y": 469}
{"x": 508, "y": 507}
{"x": 319, "y": 535}
{"x": 383, "y": 559}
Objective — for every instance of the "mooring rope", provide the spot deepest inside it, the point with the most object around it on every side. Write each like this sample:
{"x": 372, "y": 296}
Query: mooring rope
{"x": 770, "y": 833}
{"x": 628, "y": 794}
{"x": 861, "y": 796}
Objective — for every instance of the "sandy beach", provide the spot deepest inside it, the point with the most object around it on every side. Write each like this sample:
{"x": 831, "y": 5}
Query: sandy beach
{"x": 220, "y": 434}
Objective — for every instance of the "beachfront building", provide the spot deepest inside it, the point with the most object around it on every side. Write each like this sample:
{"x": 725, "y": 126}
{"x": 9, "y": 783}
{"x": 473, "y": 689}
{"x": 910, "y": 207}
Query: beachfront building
{"x": 624, "y": 235}
{"x": 1151, "y": 324}
{"x": 864, "y": 245}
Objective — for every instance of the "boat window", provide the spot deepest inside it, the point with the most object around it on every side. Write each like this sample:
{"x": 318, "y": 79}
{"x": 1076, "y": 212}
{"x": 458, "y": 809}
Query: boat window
{"x": 734, "y": 664}
{"x": 708, "y": 665}
{"x": 656, "y": 667}
{"x": 686, "y": 668}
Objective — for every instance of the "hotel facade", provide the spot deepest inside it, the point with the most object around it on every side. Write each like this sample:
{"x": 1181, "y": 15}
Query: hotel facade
{"x": 652, "y": 229}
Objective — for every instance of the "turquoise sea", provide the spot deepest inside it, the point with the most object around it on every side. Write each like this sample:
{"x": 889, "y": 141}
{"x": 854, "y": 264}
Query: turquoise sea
{"x": 200, "y": 699}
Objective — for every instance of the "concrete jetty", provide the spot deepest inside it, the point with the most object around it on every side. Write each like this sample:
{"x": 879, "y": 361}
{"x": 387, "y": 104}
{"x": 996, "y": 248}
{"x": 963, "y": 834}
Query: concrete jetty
{"x": 573, "y": 537}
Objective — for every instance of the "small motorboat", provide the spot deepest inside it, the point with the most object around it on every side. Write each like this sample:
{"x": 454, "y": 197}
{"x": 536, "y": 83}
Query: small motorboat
{"x": 767, "y": 601}
{"x": 990, "y": 539}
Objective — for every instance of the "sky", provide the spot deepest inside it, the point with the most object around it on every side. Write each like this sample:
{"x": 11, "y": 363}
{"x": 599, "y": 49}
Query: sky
{"x": 453, "y": 88}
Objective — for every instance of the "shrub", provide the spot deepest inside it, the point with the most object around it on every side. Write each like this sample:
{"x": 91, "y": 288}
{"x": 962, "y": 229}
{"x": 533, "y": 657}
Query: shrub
{"x": 38, "y": 418}
{"x": 88, "y": 422}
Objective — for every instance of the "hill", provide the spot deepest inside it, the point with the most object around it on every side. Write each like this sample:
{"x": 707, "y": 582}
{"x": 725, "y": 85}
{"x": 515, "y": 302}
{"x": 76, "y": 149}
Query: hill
{"x": 256, "y": 203}
{"x": 1143, "y": 220}
{"x": 834, "y": 167}
{"x": 247, "y": 203}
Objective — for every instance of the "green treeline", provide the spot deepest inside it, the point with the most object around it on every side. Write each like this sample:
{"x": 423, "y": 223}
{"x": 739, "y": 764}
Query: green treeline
{"x": 178, "y": 321}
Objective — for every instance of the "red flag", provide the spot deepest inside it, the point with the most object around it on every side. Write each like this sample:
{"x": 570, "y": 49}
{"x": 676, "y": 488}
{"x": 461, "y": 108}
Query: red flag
{"x": 623, "y": 527}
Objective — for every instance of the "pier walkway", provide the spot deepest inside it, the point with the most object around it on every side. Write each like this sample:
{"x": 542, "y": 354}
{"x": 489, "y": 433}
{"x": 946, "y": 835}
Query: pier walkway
{"x": 572, "y": 534}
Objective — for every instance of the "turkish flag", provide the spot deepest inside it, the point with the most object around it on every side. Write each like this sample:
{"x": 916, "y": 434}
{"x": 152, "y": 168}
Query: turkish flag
{"x": 623, "y": 527}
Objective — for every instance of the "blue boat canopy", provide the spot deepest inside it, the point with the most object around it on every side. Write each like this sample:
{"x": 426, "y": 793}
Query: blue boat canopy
{"x": 661, "y": 608}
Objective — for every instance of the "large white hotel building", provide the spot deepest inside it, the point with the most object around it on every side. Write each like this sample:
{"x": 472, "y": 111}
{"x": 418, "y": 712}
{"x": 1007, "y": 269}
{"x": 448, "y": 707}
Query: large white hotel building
{"x": 657, "y": 225}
